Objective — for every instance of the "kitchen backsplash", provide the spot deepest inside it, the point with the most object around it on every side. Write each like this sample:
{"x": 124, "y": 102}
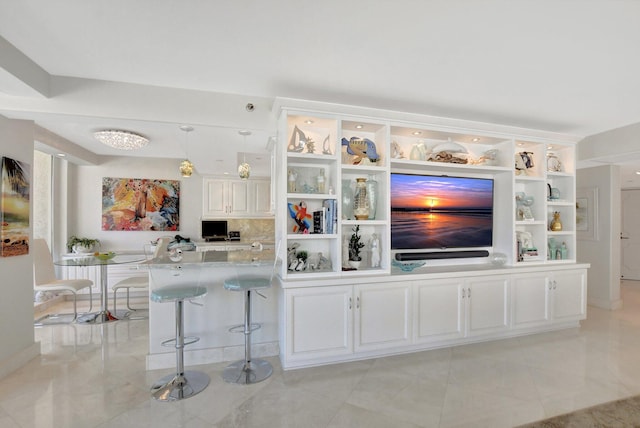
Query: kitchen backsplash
{"x": 253, "y": 229}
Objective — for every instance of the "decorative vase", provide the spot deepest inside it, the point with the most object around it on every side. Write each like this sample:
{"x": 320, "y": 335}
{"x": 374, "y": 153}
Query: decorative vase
{"x": 556, "y": 223}
{"x": 83, "y": 249}
{"x": 347, "y": 200}
{"x": 361, "y": 200}
{"x": 355, "y": 263}
{"x": 372, "y": 193}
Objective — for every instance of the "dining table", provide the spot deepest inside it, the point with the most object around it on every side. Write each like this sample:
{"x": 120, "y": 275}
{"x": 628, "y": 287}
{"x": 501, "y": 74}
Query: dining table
{"x": 85, "y": 260}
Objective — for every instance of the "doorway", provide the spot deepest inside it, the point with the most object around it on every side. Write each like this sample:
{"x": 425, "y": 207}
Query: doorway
{"x": 630, "y": 235}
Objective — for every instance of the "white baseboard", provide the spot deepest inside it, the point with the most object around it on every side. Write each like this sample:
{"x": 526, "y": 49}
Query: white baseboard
{"x": 196, "y": 357}
{"x": 14, "y": 362}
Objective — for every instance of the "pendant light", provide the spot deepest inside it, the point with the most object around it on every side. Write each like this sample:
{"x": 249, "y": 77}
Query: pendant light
{"x": 186, "y": 167}
{"x": 244, "y": 169}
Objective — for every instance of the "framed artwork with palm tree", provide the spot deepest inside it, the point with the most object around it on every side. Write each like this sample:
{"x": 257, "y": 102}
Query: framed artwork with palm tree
{"x": 14, "y": 207}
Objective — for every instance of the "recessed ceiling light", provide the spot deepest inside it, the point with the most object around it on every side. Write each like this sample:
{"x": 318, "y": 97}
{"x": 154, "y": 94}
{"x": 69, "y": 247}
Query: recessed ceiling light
{"x": 549, "y": 147}
{"x": 475, "y": 140}
{"x": 60, "y": 155}
{"x": 359, "y": 126}
{"x": 520, "y": 144}
{"x": 417, "y": 132}
{"x": 225, "y": 173}
{"x": 308, "y": 121}
{"x": 637, "y": 172}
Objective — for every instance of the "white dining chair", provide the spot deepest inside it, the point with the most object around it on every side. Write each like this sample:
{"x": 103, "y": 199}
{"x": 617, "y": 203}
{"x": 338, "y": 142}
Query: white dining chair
{"x": 140, "y": 282}
{"x": 44, "y": 279}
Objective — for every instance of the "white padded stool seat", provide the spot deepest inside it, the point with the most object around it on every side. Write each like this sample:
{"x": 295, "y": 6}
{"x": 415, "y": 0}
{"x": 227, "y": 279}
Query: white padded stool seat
{"x": 244, "y": 283}
{"x": 179, "y": 292}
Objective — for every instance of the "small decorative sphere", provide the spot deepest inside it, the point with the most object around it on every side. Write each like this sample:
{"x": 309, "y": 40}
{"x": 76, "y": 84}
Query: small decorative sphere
{"x": 498, "y": 259}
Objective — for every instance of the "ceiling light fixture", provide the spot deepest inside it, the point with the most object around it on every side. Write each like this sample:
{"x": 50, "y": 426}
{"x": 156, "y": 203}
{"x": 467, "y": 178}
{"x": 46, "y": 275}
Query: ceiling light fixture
{"x": 308, "y": 121}
{"x": 121, "y": 140}
{"x": 359, "y": 126}
{"x": 244, "y": 169}
{"x": 475, "y": 139}
{"x": 417, "y": 132}
{"x": 186, "y": 167}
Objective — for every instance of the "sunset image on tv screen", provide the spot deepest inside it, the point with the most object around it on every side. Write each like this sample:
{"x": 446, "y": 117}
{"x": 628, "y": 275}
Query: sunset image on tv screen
{"x": 440, "y": 212}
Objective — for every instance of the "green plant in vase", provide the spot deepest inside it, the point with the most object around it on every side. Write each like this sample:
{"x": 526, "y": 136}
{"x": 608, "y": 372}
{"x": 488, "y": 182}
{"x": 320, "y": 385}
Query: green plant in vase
{"x": 355, "y": 246}
{"x": 81, "y": 245}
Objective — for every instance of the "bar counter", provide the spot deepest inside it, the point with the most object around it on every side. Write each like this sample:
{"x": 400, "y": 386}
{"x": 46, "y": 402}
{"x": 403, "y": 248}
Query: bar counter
{"x": 210, "y": 317}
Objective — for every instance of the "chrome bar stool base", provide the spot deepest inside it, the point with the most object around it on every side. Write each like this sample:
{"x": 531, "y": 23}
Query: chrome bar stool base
{"x": 177, "y": 387}
{"x": 182, "y": 384}
{"x": 247, "y": 373}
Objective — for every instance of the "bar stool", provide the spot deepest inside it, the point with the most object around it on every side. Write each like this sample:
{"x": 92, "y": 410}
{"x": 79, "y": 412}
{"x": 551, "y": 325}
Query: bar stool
{"x": 249, "y": 370}
{"x": 182, "y": 384}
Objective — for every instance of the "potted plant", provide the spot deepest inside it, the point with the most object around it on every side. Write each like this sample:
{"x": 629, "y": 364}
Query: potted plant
{"x": 81, "y": 245}
{"x": 355, "y": 245}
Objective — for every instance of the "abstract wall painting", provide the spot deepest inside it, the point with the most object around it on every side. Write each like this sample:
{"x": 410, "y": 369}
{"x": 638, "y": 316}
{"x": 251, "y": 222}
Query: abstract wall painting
{"x": 14, "y": 207}
{"x": 136, "y": 204}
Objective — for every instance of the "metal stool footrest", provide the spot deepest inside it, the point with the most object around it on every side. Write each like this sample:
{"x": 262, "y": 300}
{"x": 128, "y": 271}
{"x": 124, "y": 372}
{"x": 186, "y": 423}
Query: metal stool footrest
{"x": 187, "y": 341}
{"x": 240, "y": 328}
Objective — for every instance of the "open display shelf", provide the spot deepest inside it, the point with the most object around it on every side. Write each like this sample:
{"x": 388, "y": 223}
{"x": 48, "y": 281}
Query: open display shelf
{"x": 322, "y": 155}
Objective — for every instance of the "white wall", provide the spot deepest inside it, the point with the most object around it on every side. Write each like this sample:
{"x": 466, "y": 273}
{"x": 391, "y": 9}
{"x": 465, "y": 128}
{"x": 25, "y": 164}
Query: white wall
{"x": 85, "y": 200}
{"x": 603, "y": 254}
{"x": 16, "y": 306}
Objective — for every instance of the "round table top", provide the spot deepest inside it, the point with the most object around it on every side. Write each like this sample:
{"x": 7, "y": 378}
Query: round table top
{"x": 91, "y": 260}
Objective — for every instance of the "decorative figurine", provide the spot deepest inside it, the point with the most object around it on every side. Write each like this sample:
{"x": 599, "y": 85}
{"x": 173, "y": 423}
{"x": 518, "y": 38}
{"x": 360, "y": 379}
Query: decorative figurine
{"x": 361, "y": 149}
{"x": 396, "y": 151}
{"x": 326, "y": 146}
{"x": 298, "y": 140}
{"x": 323, "y": 263}
{"x": 292, "y": 176}
{"x": 524, "y": 161}
{"x": 556, "y": 223}
{"x": 375, "y": 251}
{"x": 302, "y": 219}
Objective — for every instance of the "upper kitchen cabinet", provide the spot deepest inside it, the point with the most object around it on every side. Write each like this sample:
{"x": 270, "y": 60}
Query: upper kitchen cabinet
{"x": 229, "y": 198}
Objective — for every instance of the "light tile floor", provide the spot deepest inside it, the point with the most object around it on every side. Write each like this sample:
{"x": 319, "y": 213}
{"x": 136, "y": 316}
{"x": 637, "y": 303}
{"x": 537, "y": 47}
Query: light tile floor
{"x": 94, "y": 376}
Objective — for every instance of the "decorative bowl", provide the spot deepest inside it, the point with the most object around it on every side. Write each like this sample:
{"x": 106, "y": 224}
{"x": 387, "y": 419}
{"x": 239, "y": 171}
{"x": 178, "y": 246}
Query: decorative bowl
{"x": 104, "y": 256}
{"x": 407, "y": 266}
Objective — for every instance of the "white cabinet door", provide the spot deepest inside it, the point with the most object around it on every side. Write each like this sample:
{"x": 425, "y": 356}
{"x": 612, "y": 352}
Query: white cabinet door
{"x": 238, "y": 198}
{"x": 438, "y": 310}
{"x": 318, "y": 322}
{"x": 215, "y": 203}
{"x": 382, "y": 316}
{"x": 487, "y": 305}
{"x": 569, "y": 295}
{"x": 261, "y": 198}
{"x": 530, "y": 300}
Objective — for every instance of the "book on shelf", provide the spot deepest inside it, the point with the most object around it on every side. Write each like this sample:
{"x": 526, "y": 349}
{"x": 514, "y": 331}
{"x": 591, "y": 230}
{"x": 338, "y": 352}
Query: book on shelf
{"x": 319, "y": 221}
{"x": 331, "y": 217}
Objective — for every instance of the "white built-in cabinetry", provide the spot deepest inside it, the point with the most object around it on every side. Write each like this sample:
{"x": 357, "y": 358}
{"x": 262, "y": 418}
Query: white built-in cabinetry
{"x": 322, "y": 324}
{"x": 230, "y": 198}
{"x": 336, "y": 313}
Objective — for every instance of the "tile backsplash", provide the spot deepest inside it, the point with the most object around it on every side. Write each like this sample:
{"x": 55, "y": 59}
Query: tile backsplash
{"x": 253, "y": 229}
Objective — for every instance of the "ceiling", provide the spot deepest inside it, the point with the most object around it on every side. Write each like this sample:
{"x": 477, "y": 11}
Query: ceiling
{"x": 569, "y": 67}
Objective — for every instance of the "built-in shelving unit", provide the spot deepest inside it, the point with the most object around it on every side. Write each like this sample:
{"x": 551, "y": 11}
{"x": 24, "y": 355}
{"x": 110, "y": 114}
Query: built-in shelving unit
{"x": 331, "y": 312}
{"x": 534, "y": 178}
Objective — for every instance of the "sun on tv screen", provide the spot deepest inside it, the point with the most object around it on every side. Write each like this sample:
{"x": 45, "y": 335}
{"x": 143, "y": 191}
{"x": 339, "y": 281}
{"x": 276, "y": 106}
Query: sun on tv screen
{"x": 440, "y": 212}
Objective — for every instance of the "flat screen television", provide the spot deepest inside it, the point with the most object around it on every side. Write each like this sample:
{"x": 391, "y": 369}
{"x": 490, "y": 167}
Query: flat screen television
{"x": 214, "y": 230}
{"x": 430, "y": 212}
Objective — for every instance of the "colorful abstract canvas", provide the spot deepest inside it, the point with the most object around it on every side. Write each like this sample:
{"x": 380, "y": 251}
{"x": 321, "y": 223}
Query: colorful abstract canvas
{"x": 140, "y": 204}
{"x": 14, "y": 207}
